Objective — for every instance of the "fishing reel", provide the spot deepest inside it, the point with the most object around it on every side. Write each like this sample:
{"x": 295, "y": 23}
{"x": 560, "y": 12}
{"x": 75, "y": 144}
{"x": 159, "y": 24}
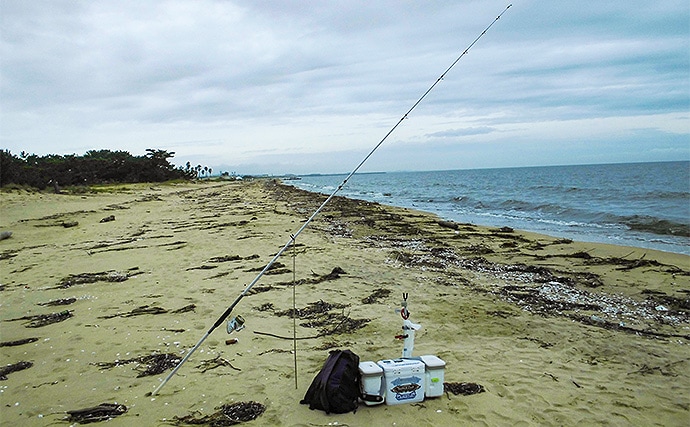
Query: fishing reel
{"x": 235, "y": 324}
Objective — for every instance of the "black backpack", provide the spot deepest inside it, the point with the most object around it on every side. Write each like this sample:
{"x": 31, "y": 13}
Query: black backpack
{"x": 336, "y": 387}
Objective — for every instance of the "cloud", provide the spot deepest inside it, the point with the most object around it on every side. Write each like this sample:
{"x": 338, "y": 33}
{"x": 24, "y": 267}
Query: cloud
{"x": 454, "y": 133}
{"x": 239, "y": 83}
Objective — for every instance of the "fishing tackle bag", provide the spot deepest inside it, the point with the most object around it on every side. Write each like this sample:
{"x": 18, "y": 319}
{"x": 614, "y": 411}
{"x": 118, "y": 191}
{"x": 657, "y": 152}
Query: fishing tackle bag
{"x": 335, "y": 389}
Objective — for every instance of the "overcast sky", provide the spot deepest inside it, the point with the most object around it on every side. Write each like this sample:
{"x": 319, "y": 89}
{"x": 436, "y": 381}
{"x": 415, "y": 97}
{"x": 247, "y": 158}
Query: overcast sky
{"x": 311, "y": 86}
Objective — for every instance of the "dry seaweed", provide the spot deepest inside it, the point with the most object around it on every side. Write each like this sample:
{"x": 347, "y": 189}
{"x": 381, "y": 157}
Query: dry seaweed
{"x": 18, "y": 342}
{"x": 227, "y": 415}
{"x": 102, "y": 412}
{"x": 83, "y": 278}
{"x": 333, "y": 275}
{"x": 19, "y": 366}
{"x": 268, "y": 306}
{"x": 57, "y": 302}
{"x": 274, "y": 266}
{"x": 317, "y": 315}
{"x": 448, "y": 224}
{"x": 620, "y": 326}
{"x": 335, "y": 323}
{"x": 311, "y": 310}
{"x": 466, "y": 389}
{"x": 225, "y": 258}
{"x": 139, "y": 311}
{"x": 612, "y": 312}
{"x": 376, "y": 296}
{"x": 202, "y": 267}
{"x": 145, "y": 309}
{"x": 109, "y": 218}
{"x": 39, "y": 320}
{"x": 207, "y": 365}
{"x": 530, "y": 273}
{"x": 666, "y": 369}
{"x": 7, "y": 255}
{"x": 185, "y": 309}
{"x": 542, "y": 300}
{"x": 153, "y": 364}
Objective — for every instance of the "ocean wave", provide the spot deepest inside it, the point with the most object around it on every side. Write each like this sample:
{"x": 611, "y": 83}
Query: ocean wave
{"x": 609, "y": 203}
{"x": 662, "y": 195}
{"x": 558, "y": 188}
{"x": 657, "y": 226}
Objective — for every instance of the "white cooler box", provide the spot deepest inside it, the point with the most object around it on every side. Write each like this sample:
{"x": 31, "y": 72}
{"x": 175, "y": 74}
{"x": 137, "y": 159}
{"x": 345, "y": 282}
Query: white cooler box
{"x": 435, "y": 370}
{"x": 404, "y": 380}
{"x": 372, "y": 383}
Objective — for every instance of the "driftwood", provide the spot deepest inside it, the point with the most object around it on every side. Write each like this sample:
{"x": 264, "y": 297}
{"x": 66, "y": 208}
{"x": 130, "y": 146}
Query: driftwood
{"x": 207, "y": 365}
{"x": 56, "y": 302}
{"x": 20, "y": 366}
{"x": 18, "y": 342}
{"x": 102, "y": 412}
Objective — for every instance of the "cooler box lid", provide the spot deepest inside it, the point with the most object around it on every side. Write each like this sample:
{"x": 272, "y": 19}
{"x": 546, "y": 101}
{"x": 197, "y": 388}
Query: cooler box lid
{"x": 390, "y": 366}
{"x": 369, "y": 368}
{"x": 432, "y": 361}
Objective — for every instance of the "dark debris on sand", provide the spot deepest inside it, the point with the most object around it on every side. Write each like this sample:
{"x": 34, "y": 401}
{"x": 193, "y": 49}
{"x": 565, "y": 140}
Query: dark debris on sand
{"x": 104, "y": 276}
{"x": 58, "y": 302}
{"x": 19, "y": 366}
{"x": 376, "y": 296}
{"x": 102, "y": 412}
{"x": 153, "y": 364}
{"x": 226, "y": 415}
{"x": 39, "y": 320}
{"x": 318, "y": 315}
{"x": 18, "y": 342}
{"x": 466, "y": 389}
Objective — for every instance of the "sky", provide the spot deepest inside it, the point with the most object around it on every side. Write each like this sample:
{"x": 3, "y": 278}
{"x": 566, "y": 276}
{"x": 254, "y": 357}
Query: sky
{"x": 277, "y": 87}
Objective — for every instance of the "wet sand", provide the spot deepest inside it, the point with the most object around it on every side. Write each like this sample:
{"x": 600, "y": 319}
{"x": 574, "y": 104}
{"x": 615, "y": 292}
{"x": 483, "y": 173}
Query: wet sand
{"x": 557, "y": 332}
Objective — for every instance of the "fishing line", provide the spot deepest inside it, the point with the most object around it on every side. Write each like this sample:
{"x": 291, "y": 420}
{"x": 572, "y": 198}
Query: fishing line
{"x": 323, "y": 205}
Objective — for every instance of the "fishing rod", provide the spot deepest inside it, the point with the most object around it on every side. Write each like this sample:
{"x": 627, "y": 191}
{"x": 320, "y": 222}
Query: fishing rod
{"x": 237, "y": 322}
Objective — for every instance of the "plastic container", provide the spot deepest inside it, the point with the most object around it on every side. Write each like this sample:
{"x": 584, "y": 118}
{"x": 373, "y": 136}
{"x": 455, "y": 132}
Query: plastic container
{"x": 372, "y": 383}
{"x": 404, "y": 380}
{"x": 435, "y": 369}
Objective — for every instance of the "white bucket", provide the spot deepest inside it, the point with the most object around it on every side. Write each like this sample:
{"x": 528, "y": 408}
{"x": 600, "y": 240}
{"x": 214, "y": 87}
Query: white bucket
{"x": 372, "y": 383}
{"x": 434, "y": 375}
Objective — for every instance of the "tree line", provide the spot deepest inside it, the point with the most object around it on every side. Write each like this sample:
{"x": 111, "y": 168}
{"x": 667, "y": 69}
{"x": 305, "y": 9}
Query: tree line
{"x": 94, "y": 167}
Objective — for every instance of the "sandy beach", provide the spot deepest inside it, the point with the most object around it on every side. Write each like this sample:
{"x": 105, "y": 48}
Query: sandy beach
{"x": 557, "y": 332}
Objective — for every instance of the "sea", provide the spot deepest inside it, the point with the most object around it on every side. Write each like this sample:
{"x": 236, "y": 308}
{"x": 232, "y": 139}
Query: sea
{"x": 644, "y": 205}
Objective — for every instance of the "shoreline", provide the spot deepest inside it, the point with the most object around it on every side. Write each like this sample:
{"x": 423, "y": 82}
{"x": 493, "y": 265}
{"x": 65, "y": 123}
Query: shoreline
{"x": 558, "y": 332}
{"x": 534, "y": 207}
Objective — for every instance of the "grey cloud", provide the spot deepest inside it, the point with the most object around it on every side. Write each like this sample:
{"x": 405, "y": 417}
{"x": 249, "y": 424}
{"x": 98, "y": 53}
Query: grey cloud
{"x": 208, "y": 66}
